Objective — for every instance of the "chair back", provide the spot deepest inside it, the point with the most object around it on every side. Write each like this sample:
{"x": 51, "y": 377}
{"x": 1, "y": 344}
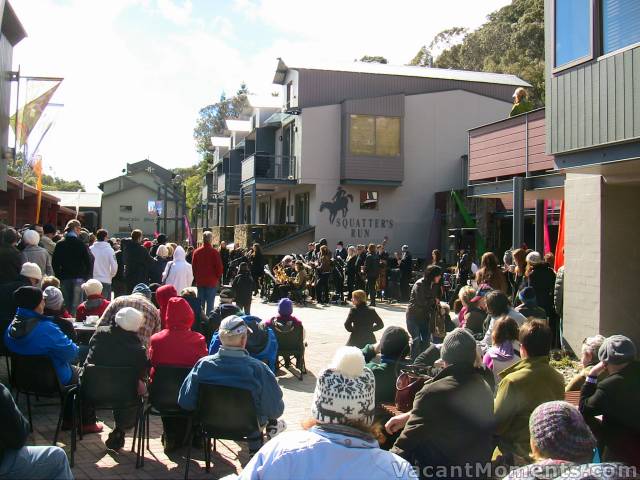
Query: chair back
{"x": 165, "y": 387}
{"x": 34, "y": 375}
{"x": 289, "y": 337}
{"x": 227, "y": 412}
{"x": 110, "y": 387}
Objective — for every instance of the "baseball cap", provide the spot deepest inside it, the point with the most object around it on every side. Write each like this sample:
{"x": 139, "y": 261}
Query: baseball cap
{"x": 234, "y": 325}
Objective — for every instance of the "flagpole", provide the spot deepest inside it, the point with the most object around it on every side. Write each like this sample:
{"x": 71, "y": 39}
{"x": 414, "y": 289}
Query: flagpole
{"x": 15, "y": 127}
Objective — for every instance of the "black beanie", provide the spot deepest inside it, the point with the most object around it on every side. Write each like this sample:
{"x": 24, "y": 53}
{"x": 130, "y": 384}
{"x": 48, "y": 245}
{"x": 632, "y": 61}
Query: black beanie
{"x": 28, "y": 297}
{"x": 394, "y": 342}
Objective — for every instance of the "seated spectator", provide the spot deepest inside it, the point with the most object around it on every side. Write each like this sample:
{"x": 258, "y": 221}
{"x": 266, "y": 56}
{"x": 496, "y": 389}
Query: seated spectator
{"x": 176, "y": 346}
{"x": 32, "y": 252}
{"x": 362, "y": 321}
{"x": 54, "y": 308}
{"x": 178, "y": 272}
{"x": 616, "y": 398}
{"x": 393, "y": 347}
{"x": 225, "y": 309}
{"x": 95, "y": 304}
{"x": 465, "y": 295}
{"x": 50, "y": 281}
{"x": 20, "y": 461}
{"x": 561, "y": 445}
{"x": 497, "y": 307}
{"x": 285, "y": 317}
{"x": 262, "y": 343}
{"x": 502, "y": 354}
{"x": 140, "y": 299}
{"x": 529, "y": 306}
{"x": 524, "y": 386}
{"x": 476, "y": 314}
{"x": 451, "y": 423}
{"x": 190, "y": 294}
{"x": 32, "y": 333}
{"x": 163, "y": 295}
{"x": 31, "y": 273}
{"x": 588, "y": 359}
{"x": 117, "y": 345}
{"x": 232, "y": 366}
{"x": 338, "y": 441}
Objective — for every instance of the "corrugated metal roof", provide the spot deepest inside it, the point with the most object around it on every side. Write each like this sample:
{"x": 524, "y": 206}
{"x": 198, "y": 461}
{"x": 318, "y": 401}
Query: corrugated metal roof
{"x": 403, "y": 71}
{"x": 82, "y": 199}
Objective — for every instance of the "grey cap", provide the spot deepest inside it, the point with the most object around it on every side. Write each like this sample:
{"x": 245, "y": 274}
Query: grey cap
{"x": 458, "y": 347}
{"x": 234, "y": 325}
{"x": 617, "y": 349}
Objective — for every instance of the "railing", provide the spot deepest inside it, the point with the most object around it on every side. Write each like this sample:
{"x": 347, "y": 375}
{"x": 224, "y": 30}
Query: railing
{"x": 510, "y": 147}
{"x": 228, "y": 182}
{"x": 269, "y": 167}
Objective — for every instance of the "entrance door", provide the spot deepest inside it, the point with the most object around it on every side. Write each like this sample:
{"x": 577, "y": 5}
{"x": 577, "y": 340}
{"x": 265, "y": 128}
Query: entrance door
{"x": 302, "y": 208}
{"x": 281, "y": 211}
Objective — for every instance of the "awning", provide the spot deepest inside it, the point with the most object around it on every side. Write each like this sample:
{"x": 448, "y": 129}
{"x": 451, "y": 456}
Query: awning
{"x": 277, "y": 119}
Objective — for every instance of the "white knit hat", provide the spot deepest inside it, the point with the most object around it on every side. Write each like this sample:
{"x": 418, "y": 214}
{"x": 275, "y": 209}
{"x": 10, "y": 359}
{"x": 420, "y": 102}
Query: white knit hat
{"x": 92, "y": 287}
{"x": 534, "y": 258}
{"x": 30, "y": 237}
{"x": 346, "y": 390}
{"x": 129, "y": 319}
{"x": 31, "y": 270}
{"x": 53, "y": 299}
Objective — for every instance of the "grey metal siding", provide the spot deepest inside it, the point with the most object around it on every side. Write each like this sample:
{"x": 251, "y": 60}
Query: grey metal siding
{"x": 320, "y": 87}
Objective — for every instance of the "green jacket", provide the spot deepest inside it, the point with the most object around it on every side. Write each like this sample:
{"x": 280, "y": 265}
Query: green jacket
{"x": 523, "y": 386}
{"x": 521, "y": 107}
{"x": 385, "y": 373}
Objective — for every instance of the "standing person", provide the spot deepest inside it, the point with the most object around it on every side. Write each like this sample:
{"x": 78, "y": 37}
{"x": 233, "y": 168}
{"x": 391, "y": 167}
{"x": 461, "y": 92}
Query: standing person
{"x": 161, "y": 240}
{"x": 340, "y": 251}
{"x": 225, "y": 257}
{"x": 325, "y": 267}
{"x": 242, "y": 286}
{"x": 521, "y": 103}
{"x": 34, "y": 253}
{"x": 558, "y": 297}
{"x": 542, "y": 278}
{"x": 616, "y": 398}
{"x": 118, "y": 282}
{"x": 46, "y": 240}
{"x": 72, "y": 264}
{"x": 406, "y": 266}
{"x": 491, "y": 274}
{"x": 518, "y": 278}
{"x": 350, "y": 270}
{"x": 136, "y": 259}
{"x": 371, "y": 271}
{"x": 105, "y": 266}
{"x": 178, "y": 271}
{"x": 207, "y": 271}
{"x": 159, "y": 263}
{"x": 362, "y": 255}
{"x": 422, "y": 309}
{"x": 362, "y": 321}
{"x": 258, "y": 262}
{"x": 10, "y": 257}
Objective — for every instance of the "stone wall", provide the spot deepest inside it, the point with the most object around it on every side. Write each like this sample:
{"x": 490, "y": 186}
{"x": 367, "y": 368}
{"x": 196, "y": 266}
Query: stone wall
{"x": 266, "y": 233}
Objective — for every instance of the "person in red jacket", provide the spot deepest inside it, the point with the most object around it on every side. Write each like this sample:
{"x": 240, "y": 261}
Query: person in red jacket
{"x": 163, "y": 295}
{"x": 95, "y": 304}
{"x": 176, "y": 346}
{"x": 207, "y": 270}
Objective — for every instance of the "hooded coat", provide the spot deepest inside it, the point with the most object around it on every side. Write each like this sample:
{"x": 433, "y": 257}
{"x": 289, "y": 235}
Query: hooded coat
{"x": 163, "y": 295}
{"x": 177, "y": 345}
{"x": 178, "y": 272}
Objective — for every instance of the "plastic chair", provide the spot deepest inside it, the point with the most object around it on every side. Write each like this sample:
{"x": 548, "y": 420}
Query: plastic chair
{"x": 115, "y": 388}
{"x": 163, "y": 394}
{"x": 226, "y": 413}
{"x": 291, "y": 345}
{"x": 36, "y": 375}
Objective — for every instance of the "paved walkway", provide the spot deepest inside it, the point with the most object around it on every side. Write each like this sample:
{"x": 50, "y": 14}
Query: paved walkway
{"x": 325, "y": 333}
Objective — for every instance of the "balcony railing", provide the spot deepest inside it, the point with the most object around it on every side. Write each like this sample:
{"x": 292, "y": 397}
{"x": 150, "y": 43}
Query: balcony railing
{"x": 510, "y": 147}
{"x": 228, "y": 182}
{"x": 264, "y": 168}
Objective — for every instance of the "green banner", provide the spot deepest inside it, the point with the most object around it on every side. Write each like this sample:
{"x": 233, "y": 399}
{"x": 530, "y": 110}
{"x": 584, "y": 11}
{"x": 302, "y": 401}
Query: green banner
{"x": 469, "y": 222}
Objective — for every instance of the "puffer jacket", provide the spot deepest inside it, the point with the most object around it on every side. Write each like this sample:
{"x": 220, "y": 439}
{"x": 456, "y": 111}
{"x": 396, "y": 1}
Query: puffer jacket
{"x": 177, "y": 345}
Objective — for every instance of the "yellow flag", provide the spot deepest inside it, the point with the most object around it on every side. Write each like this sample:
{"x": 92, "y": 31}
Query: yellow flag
{"x": 29, "y": 115}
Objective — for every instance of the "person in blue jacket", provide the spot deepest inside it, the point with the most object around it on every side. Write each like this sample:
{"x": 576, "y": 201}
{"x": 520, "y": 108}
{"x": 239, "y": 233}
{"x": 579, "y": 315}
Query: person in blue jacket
{"x": 262, "y": 343}
{"x": 32, "y": 333}
{"x": 232, "y": 366}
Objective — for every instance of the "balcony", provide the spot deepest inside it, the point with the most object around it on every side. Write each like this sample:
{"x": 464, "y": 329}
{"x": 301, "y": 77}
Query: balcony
{"x": 264, "y": 168}
{"x": 229, "y": 183}
{"x": 511, "y": 147}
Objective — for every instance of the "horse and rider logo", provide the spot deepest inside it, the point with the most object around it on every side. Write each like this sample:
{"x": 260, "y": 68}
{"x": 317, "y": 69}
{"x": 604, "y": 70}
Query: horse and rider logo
{"x": 340, "y": 203}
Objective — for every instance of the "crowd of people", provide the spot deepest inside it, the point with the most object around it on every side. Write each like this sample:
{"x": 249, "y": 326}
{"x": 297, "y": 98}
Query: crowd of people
{"x": 477, "y": 344}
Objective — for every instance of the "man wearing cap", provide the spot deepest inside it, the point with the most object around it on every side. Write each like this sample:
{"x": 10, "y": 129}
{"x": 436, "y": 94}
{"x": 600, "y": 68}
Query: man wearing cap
{"x": 232, "y": 366}
{"x": 451, "y": 423}
{"x": 616, "y": 398}
{"x": 140, "y": 299}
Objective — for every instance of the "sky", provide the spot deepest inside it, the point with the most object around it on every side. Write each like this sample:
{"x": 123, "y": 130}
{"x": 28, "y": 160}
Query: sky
{"x": 138, "y": 71}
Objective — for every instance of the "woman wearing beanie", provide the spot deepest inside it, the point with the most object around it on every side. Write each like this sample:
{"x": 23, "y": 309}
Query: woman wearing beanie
{"x": 362, "y": 321}
{"x": 95, "y": 304}
{"x": 451, "y": 423}
{"x": 118, "y": 345}
{"x": 616, "y": 398}
{"x": 285, "y": 317}
{"x": 54, "y": 308}
{"x": 337, "y": 442}
{"x": 32, "y": 252}
{"x": 529, "y": 304}
{"x": 562, "y": 446}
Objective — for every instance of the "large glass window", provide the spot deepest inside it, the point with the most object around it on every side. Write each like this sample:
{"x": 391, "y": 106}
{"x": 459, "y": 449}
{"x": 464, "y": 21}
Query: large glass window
{"x": 368, "y": 200}
{"x": 572, "y": 31}
{"x": 375, "y": 136}
{"x": 620, "y": 24}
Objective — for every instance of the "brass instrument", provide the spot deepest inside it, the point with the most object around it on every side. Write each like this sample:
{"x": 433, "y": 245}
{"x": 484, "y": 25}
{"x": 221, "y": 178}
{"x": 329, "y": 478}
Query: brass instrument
{"x": 281, "y": 276}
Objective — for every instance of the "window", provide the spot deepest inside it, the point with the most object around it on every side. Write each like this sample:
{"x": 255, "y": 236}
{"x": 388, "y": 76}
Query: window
{"x": 572, "y": 32}
{"x": 126, "y": 209}
{"x": 620, "y": 24}
{"x": 374, "y": 136}
{"x": 368, "y": 200}
{"x": 126, "y": 229}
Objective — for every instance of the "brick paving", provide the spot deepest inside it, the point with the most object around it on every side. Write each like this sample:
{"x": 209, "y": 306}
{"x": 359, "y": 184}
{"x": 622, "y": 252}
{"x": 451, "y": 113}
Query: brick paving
{"x": 325, "y": 333}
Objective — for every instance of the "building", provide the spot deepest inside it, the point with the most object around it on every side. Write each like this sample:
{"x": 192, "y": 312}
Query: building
{"x": 87, "y": 203}
{"x": 593, "y": 132}
{"x": 146, "y": 197}
{"x": 357, "y": 153}
{"x": 11, "y": 32}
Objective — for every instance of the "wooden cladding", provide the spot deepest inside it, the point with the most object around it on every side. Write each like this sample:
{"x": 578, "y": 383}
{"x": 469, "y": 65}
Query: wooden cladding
{"x": 510, "y": 147}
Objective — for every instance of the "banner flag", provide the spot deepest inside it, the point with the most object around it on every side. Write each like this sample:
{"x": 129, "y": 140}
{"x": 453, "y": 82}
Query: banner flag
{"x": 187, "y": 229}
{"x": 30, "y": 113}
{"x": 560, "y": 245}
